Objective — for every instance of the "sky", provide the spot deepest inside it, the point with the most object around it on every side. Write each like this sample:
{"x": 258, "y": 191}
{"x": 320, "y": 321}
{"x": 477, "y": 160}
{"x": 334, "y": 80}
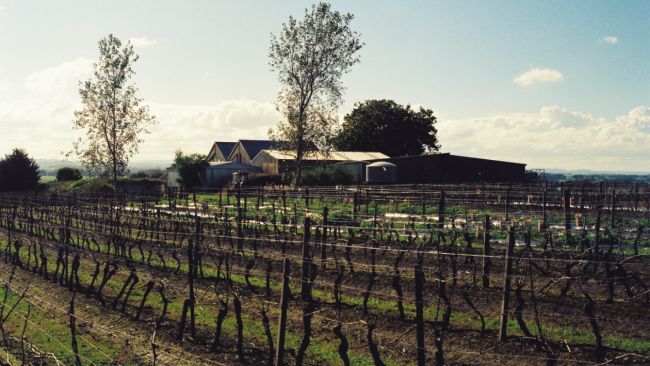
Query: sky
{"x": 553, "y": 84}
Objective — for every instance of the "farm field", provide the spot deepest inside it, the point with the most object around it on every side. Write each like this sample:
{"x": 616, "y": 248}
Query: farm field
{"x": 394, "y": 275}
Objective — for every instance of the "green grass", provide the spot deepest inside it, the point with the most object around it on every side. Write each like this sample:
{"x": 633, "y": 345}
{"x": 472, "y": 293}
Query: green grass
{"x": 47, "y": 179}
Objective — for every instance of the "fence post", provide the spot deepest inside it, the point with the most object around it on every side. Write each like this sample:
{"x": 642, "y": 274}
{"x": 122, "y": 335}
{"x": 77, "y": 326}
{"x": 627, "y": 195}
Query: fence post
{"x": 597, "y": 241}
{"x": 374, "y": 222}
{"x": 284, "y": 304}
{"x": 544, "y": 209}
{"x": 636, "y": 193}
{"x": 486, "y": 253}
{"x": 503, "y": 327}
{"x": 424, "y": 204}
{"x": 507, "y": 201}
{"x": 323, "y": 245}
{"x": 419, "y": 314}
{"x": 613, "y": 205}
{"x": 355, "y": 202}
{"x": 567, "y": 216}
{"x": 304, "y": 293}
{"x": 441, "y": 211}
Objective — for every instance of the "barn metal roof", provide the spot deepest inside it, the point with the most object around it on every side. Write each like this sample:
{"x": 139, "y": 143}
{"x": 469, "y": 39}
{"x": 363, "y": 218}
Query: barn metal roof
{"x": 225, "y": 147}
{"x": 253, "y": 147}
{"x": 333, "y": 155}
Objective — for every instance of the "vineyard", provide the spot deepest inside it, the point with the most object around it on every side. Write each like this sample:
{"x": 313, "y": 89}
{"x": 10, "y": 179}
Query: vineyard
{"x": 370, "y": 275}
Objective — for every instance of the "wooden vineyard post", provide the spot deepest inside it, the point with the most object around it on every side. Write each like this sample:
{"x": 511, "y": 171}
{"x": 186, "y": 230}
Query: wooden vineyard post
{"x": 284, "y": 304}
{"x": 544, "y": 210}
{"x": 274, "y": 222}
{"x": 596, "y": 257}
{"x": 600, "y": 192}
{"x": 304, "y": 281}
{"x": 503, "y": 327}
{"x": 613, "y": 207}
{"x": 355, "y": 202}
{"x": 240, "y": 231}
{"x": 284, "y": 202}
{"x": 323, "y": 245}
{"x": 582, "y": 198}
{"x": 219, "y": 197}
{"x": 441, "y": 211}
{"x": 424, "y": 204}
{"x": 307, "y": 198}
{"x": 567, "y": 216}
{"x": 368, "y": 203}
{"x": 374, "y": 222}
{"x": 419, "y": 314}
{"x": 506, "y": 203}
{"x": 636, "y": 193}
{"x": 486, "y": 253}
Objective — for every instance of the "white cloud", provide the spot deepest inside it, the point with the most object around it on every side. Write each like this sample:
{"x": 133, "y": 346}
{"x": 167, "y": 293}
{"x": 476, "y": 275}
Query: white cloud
{"x": 611, "y": 40}
{"x": 554, "y": 138}
{"x": 538, "y": 75}
{"x": 42, "y": 121}
{"x": 143, "y": 41}
{"x": 54, "y": 79}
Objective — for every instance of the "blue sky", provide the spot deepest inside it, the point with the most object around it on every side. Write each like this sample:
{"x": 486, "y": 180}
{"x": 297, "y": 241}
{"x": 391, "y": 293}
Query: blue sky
{"x": 554, "y": 84}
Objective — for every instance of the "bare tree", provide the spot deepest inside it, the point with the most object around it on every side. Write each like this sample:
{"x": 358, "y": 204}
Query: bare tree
{"x": 112, "y": 116}
{"x": 310, "y": 57}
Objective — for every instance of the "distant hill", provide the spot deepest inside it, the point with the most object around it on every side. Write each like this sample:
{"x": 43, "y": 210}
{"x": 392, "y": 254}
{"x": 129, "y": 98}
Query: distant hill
{"x": 595, "y": 172}
{"x": 50, "y": 166}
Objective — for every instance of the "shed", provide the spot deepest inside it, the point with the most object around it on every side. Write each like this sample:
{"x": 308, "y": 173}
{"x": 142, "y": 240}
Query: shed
{"x": 274, "y": 161}
{"x": 220, "y": 174}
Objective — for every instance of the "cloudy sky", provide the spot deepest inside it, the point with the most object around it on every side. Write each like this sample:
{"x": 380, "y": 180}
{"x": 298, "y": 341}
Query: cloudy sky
{"x": 554, "y": 84}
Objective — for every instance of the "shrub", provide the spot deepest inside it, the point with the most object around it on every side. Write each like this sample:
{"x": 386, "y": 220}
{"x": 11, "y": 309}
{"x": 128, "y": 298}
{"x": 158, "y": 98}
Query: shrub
{"x": 190, "y": 168}
{"x": 332, "y": 175}
{"x": 263, "y": 179}
{"x": 18, "y": 172}
{"x": 66, "y": 174}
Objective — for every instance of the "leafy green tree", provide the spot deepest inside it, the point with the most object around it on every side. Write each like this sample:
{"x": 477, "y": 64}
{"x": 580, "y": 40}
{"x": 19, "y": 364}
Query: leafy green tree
{"x": 18, "y": 172}
{"x": 112, "y": 116}
{"x": 310, "y": 57}
{"x": 387, "y": 127}
{"x": 67, "y": 174}
{"x": 190, "y": 168}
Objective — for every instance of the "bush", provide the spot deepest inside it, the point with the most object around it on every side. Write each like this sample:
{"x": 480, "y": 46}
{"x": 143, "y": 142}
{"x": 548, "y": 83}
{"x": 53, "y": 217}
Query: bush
{"x": 263, "y": 179}
{"x": 66, "y": 174}
{"x": 190, "y": 168}
{"x": 18, "y": 172}
{"x": 332, "y": 175}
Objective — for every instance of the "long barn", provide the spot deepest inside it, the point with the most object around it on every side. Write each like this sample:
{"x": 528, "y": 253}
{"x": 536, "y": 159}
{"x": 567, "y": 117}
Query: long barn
{"x": 447, "y": 168}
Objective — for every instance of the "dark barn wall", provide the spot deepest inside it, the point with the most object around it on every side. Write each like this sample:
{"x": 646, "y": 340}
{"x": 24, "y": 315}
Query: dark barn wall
{"x": 465, "y": 169}
{"x": 447, "y": 168}
{"x": 419, "y": 168}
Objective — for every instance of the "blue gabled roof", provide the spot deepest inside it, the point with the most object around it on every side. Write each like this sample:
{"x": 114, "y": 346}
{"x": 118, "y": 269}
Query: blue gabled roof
{"x": 225, "y": 147}
{"x": 253, "y": 147}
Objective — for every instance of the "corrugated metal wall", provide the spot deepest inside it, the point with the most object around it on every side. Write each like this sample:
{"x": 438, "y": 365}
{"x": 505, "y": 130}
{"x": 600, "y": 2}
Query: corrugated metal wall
{"x": 447, "y": 168}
